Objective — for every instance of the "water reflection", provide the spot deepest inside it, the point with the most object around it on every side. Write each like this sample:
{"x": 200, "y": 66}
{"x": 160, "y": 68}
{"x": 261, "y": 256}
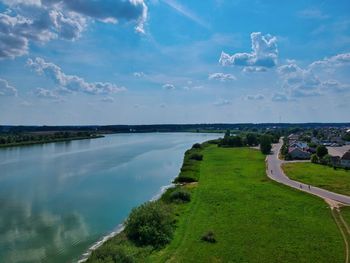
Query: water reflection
{"x": 30, "y": 236}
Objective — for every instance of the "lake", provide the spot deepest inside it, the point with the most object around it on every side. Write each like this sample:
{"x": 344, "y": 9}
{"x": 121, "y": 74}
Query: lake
{"x": 58, "y": 199}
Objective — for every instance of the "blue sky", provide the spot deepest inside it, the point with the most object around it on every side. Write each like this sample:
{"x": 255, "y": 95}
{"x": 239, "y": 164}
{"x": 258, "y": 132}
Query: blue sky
{"x": 173, "y": 61}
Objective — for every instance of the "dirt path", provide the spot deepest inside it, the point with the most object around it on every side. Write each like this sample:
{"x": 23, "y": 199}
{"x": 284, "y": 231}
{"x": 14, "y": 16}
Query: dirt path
{"x": 341, "y": 224}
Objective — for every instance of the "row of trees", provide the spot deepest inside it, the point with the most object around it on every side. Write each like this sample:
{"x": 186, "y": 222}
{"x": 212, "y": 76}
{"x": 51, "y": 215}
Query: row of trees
{"x": 249, "y": 139}
{"x": 17, "y": 138}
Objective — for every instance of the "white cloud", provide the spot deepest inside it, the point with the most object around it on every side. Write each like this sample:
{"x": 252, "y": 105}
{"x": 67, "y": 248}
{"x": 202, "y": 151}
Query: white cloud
{"x": 71, "y": 82}
{"x": 255, "y": 97}
{"x": 27, "y": 21}
{"x": 186, "y": 12}
{"x": 307, "y": 82}
{"x": 334, "y": 61}
{"x": 280, "y": 97}
{"x": 312, "y": 13}
{"x": 264, "y": 53}
{"x": 6, "y": 89}
{"x": 108, "y": 99}
{"x": 222, "y": 103}
{"x": 254, "y": 69}
{"x": 221, "y": 77}
{"x": 168, "y": 86}
{"x": 45, "y": 94}
{"x": 139, "y": 74}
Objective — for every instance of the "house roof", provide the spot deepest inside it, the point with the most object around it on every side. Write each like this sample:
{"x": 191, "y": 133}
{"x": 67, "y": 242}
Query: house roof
{"x": 346, "y": 156}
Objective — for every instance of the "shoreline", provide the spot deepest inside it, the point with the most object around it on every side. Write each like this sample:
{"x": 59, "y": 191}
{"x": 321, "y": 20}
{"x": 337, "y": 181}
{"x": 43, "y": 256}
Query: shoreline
{"x": 120, "y": 227}
{"x": 49, "y": 141}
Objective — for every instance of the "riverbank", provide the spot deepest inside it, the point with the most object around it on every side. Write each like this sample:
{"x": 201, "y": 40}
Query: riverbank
{"x": 50, "y": 141}
{"x": 247, "y": 216}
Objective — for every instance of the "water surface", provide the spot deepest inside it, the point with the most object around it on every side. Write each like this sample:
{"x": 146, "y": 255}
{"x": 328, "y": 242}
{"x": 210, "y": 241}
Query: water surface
{"x": 57, "y": 199}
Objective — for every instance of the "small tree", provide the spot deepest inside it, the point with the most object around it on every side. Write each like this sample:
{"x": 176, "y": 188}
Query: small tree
{"x": 265, "y": 144}
{"x": 314, "y": 158}
{"x": 321, "y": 151}
{"x": 252, "y": 139}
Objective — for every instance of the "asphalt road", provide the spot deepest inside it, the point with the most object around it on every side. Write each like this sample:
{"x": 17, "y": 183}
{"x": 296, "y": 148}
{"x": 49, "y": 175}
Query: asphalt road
{"x": 276, "y": 173}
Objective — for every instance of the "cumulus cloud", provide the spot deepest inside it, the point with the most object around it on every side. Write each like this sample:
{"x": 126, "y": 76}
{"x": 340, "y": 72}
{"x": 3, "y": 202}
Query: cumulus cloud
{"x": 168, "y": 86}
{"x": 334, "y": 61}
{"x": 300, "y": 82}
{"x": 264, "y": 53}
{"x": 221, "y": 77}
{"x": 71, "y": 82}
{"x": 40, "y": 21}
{"x": 255, "y": 97}
{"x": 6, "y": 89}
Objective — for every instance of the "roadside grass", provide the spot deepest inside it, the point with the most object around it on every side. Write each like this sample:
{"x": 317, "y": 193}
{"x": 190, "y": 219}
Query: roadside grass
{"x": 252, "y": 218}
{"x": 322, "y": 176}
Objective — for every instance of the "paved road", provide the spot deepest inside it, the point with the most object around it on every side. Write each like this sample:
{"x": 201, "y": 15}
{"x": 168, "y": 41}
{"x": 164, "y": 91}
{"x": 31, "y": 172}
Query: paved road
{"x": 276, "y": 173}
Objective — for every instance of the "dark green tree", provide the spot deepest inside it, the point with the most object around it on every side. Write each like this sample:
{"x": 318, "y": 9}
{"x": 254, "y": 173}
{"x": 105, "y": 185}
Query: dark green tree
{"x": 321, "y": 151}
{"x": 252, "y": 139}
{"x": 265, "y": 144}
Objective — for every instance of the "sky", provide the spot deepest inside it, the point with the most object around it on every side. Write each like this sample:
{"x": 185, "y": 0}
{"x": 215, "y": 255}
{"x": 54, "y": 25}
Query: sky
{"x": 82, "y": 62}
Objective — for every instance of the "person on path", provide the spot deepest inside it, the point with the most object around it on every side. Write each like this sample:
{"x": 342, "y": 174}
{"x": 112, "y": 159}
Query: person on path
{"x": 309, "y": 187}
{"x": 301, "y": 187}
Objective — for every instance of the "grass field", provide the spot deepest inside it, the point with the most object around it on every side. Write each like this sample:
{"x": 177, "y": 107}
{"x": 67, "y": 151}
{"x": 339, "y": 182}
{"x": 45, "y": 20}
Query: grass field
{"x": 320, "y": 175}
{"x": 253, "y": 218}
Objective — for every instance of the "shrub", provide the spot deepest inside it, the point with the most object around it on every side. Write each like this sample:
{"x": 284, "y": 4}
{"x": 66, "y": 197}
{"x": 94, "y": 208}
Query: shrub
{"x": 150, "y": 224}
{"x": 185, "y": 179}
{"x": 110, "y": 253}
{"x": 180, "y": 195}
{"x": 197, "y": 146}
{"x": 209, "y": 237}
{"x": 196, "y": 156}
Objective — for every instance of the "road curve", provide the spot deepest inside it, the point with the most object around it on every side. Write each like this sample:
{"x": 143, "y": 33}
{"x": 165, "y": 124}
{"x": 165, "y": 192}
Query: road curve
{"x": 275, "y": 172}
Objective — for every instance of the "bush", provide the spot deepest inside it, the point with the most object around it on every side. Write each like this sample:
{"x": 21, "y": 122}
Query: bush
{"x": 150, "y": 224}
{"x": 197, "y": 146}
{"x": 180, "y": 195}
{"x": 110, "y": 253}
{"x": 209, "y": 237}
{"x": 185, "y": 179}
{"x": 196, "y": 156}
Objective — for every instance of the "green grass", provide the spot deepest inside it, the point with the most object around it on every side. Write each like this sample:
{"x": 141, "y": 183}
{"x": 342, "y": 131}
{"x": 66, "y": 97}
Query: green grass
{"x": 320, "y": 175}
{"x": 345, "y": 211}
{"x": 253, "y": 219}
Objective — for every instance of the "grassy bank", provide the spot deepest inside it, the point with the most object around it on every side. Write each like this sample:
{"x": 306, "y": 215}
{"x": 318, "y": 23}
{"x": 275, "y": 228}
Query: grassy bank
{"x": 50, "y": 141}
{"x": 322, "y": 176}
{"x": 251, "y": 218}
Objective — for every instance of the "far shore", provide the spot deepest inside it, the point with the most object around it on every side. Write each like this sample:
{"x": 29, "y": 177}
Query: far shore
{"x": 51, "y": 141}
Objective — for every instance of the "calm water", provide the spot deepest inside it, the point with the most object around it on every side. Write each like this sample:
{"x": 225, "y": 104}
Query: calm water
{"x": 57, "y": 199}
